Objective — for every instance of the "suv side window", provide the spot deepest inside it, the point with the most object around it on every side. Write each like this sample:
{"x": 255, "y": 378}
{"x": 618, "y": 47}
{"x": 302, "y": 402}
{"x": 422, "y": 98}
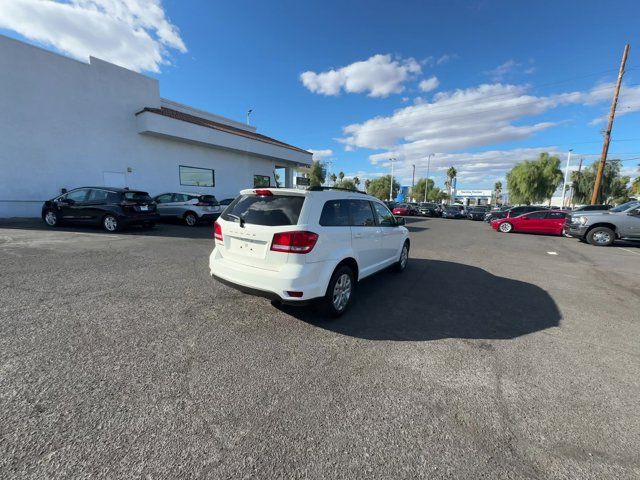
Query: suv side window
{"x": 335, "y": 213}
{"x": 556, "y": 215}
{"x": 97, "y": 196}
{"x": 385, "y": 217}
{"x": 77, "y": 195}
{"x": 361, "y": 213}
{"x": 180, "y": 198}
{"x": 166, "y": 198}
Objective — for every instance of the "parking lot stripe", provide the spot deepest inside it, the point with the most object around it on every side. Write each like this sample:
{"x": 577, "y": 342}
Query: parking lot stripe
{"x": 630, "y": 251}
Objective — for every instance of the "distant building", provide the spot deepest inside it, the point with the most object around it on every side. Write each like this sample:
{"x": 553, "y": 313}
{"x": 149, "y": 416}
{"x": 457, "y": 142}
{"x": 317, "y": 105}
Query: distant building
{"x": 473, "y": 197}
{"x": 67, "y": 124}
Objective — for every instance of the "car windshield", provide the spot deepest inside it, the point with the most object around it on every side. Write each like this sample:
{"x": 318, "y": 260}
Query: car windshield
{"x": 402, "y": 205}
{"x": 626, "y": 206}
{"x": 453, "y": 209}
{"x": 268, "y": 210}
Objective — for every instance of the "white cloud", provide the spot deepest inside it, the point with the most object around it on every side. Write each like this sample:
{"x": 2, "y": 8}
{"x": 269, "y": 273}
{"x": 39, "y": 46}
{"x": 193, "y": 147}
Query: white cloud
{"x": 628, "y": 102}
{"x": 455, "y": 120}
{"x": 380, "y": 76}
{"x": 321, "y": 154}
{"x": 135, "y": 34}
{"x": 429, "y": 84}
{"x": 446, "y": 58}
{"x": 500, "y": 71}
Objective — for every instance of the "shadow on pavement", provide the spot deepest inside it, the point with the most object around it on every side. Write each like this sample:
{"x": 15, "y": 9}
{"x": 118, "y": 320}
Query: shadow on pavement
{"x": 175, "y": 229}
{"x": 434, "y": 299}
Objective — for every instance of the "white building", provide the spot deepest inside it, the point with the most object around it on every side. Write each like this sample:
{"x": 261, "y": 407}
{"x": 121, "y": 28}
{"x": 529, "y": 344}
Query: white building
{"x": 473, "y": 197}
{"x": 66, "y": 124}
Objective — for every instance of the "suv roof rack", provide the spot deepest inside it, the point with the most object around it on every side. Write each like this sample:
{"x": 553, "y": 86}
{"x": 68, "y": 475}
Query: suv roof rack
{"x": 321, "y": 188}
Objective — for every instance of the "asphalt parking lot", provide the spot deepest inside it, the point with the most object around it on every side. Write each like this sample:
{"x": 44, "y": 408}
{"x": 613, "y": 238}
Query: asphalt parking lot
{"x": 491, "y": 356}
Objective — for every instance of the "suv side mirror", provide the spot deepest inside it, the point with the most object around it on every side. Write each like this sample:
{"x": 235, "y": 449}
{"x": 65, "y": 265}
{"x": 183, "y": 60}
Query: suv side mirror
{"x": 400, "y": 221}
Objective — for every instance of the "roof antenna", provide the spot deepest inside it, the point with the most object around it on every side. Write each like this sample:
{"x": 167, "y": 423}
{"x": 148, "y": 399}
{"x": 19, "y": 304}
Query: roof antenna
{"x": 249, "y": 112}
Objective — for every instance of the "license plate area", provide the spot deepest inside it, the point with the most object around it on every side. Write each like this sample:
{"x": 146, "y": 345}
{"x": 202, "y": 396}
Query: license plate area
{"x": 247, "y": 247}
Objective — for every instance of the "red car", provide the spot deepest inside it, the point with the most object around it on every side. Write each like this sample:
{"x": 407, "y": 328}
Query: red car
{"x": 404, "y": 210}
{"x": 542, "y": 221}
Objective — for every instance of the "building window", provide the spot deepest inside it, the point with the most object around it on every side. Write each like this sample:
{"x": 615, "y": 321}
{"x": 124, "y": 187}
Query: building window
{"x": 261, "y": 181}
{"x": 197, "y": 177}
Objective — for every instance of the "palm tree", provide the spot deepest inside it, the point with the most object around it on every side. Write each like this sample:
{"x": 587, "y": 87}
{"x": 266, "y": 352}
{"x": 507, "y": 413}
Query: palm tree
{"x": 367, "y": 184}
{"x": 451, "y": 174}
{"x": 341, "y": 175}
{"x": 356, "y": 181}
{"x": 497, "y": 190}
{"x": 333, "y": 178}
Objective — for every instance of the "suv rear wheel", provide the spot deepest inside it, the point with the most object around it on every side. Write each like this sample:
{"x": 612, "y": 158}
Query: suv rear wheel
{"x": 401, "y": 264}
{"x": 191, "y": 219}
{"x": 110, "y": 223}
{"x": 601, "y": 236}
{"x": 339, "y": 292}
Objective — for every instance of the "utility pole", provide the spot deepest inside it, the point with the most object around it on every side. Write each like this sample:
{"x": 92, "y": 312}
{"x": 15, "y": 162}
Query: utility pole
{"x": 413, "y": 180}
{"x": 566, "y": 176}
{"x": 249, "y": 112}
{"x": 607, "y": 134}
{"x": 391, "y": 184}
{"x": 426, "y": 187}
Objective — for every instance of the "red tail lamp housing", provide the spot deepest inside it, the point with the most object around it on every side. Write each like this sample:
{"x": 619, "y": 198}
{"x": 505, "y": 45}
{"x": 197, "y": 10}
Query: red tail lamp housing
{"x": 263, "y": 192}
{"x": 217, "y": 231}
{"x": 294, "y": 242}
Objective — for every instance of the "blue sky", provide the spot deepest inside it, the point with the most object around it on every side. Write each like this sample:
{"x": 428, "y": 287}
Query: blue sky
{"x": 501, "y": 80}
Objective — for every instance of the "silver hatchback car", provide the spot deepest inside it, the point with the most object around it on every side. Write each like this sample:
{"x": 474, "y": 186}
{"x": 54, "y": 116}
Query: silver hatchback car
{"x": 190, "y": 207}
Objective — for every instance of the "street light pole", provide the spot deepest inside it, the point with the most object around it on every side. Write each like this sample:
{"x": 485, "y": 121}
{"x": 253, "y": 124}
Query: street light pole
{"x": 566, "y": 176}
{"x": 391, "y": 184}
{"x": 426, "y": 186}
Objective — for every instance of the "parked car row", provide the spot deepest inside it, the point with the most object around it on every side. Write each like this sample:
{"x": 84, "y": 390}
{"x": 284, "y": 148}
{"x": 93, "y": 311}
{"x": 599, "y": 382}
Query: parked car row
{"x": 599, "y": 225}
{"x": 116, "y": 208}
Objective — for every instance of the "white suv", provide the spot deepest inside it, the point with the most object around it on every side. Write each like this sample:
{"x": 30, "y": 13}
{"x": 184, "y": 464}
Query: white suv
{"x": 300, "y": 245}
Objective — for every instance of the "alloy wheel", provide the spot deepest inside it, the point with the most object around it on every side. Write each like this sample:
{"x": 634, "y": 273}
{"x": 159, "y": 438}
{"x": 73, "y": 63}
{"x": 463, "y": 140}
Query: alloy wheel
{"x": 190, "y": 219}
{"x": 505, "y": 227}
{"x": 51, "y": 218}
{"x": 601, "y": 237}
{"x": 110, "y": 223}
{"x": 342, "y": 292}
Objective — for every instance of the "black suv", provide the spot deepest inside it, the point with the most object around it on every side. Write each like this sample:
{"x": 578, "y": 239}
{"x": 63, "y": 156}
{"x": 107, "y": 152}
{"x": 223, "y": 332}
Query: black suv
{"x": 512, "y": 212}
{"x": 113, "y": 208}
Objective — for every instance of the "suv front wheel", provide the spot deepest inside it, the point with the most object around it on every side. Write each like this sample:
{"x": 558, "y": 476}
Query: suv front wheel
{"x": 339, "y": 292}
{"x": 601, "y": 236}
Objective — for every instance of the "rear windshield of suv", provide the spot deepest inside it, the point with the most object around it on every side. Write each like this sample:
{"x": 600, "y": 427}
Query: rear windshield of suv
{"x": 269, "y": 210}
{"x": 137, "y": 197}
{"x": 208, "y": 199}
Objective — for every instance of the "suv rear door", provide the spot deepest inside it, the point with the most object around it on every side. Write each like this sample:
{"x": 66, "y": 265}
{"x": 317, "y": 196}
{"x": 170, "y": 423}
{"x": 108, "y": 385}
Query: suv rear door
{"x": 250, "y": 223}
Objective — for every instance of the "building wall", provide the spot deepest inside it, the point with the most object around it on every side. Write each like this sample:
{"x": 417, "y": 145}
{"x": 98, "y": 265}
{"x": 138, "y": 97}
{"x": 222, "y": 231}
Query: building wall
{"x": 64, "y": 123}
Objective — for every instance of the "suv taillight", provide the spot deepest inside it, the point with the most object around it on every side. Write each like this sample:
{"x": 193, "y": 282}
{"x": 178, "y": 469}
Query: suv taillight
{"x": 294, "y": 242}
{"x": 217, "y": 231}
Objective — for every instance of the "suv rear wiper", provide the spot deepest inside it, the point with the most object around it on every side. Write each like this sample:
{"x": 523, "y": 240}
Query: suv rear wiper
{"x": 240, "y": 220}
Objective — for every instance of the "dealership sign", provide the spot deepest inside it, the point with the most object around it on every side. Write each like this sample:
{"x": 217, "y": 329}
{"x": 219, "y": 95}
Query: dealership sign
{"x": 474, "y": 193}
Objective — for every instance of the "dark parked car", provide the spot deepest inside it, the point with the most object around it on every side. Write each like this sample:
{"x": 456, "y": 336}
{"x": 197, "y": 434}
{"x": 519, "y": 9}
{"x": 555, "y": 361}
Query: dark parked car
{"x": 592, "y": 208}
{"x": 390, "y": 205}
{"x": 511, "y": 212}
{"x": 477, "y": 213}
{"x": 226, "y": 201}
{"x": 113, "y": 208}
{"x": 429, "y": 209}
{"x": 453, "y": 211}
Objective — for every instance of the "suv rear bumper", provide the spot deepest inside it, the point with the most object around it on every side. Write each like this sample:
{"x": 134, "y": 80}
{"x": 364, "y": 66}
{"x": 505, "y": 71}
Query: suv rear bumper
{"x": 310, "y": 278}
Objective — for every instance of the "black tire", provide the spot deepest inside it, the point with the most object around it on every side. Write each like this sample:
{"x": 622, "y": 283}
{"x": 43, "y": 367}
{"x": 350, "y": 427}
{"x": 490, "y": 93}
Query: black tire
{"x": 401, "y": 264}
{"x": 329, "y": 305}
{"x": 191, "y": 219}
{"x": 51, "y": 218}
{"x": 601, "y": 237}
{"x": 110, "y": 223}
